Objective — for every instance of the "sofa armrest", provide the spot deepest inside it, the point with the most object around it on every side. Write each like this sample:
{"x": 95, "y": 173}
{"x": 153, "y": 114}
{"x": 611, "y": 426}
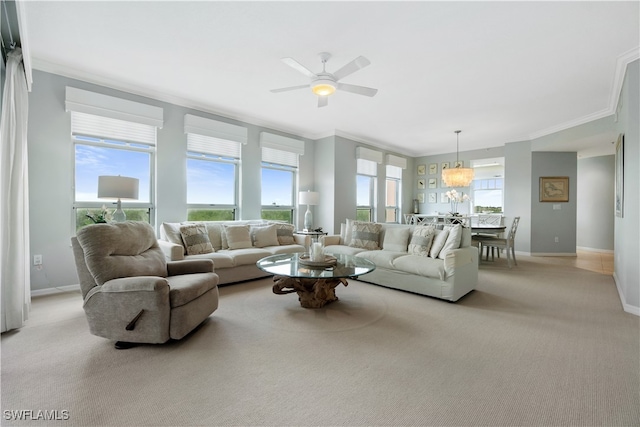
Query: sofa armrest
{"x": 172, "y": 251}
{"x": 331, "y": 240}
{"x": 459, "y": 258}
{"x": 302, "y": 239}
{"x": 131, "y": 284}
{"x": 190, "y": 266}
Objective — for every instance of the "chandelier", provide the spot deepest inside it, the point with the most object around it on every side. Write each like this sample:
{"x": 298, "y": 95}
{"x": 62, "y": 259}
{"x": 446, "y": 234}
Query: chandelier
{"x": 458, "y": 176}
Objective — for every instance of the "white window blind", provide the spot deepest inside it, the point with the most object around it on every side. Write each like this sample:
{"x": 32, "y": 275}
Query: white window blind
{"x": 367, "y": 167}
{"x": 396, "y": 161}
{"x": 279, "y": 157}
{"x": 282, "y": 143}
{"x": 394, "y": 172}
{"x": 109, "y": 128}
{"x": 210, "y": 145}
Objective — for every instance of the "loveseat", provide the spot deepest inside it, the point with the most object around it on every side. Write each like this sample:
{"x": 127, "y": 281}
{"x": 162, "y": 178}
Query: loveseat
{"x": 233, "y": 246}
{"x": 435, "y": 261}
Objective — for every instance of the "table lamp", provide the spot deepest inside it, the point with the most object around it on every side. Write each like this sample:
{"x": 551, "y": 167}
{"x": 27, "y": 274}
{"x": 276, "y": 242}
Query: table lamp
{"x": 308, "y": 198}
{"x": 118, "y": 187}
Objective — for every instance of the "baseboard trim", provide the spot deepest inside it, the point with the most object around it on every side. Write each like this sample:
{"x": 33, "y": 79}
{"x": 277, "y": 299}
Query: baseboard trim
{"x": 631, "y": 309}
{"x": 553, "y": 254}
{"x": 604, "y": 251}
{"x": 51, "y": 291}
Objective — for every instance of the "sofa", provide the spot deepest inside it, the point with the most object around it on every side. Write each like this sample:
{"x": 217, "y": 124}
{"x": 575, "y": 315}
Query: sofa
{"x": 233, "y": 246}
{"x": 437, "y": 261}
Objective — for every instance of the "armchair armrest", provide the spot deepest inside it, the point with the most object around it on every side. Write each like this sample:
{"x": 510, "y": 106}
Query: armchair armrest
{"x": 172, "y": 251}
{"x": 302, "y": 239}
{"x": 331, "y": 240}
{"x": 190, "y": 266}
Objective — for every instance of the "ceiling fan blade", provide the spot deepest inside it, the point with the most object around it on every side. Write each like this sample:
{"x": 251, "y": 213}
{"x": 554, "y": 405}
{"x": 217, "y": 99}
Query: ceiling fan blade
{"x": 351, "y": 67}
{"x": 297, "y": 66}
{"x": 323, "y": 101}
{"x": 286, "y": 89}
{"x": 360, "y": 90}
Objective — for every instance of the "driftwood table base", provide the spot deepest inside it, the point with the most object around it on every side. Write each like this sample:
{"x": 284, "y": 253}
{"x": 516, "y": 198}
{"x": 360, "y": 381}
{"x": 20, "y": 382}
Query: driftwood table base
{"x": 312, "y": 293}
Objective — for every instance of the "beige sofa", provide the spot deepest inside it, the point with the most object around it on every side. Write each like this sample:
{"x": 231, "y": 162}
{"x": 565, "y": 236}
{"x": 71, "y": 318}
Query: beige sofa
{"x": 425, "y": 260}
{"x": 233, "y": 246}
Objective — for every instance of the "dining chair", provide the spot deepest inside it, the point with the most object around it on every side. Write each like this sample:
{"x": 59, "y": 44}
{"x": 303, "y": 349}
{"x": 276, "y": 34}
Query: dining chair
{"x": 493, "y": 243}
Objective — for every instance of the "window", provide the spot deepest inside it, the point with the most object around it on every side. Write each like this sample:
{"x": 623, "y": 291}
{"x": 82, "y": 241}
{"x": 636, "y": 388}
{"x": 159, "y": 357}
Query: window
{"x": 393, "y": 194}
{"x": 366, "y": 178}
{"x": 488, "y": 185}
{"x": 279, "y": 176}
{"x": 105, "y": 146}
{"x": 111, "y": 136}
{"x": 213, "y": 168}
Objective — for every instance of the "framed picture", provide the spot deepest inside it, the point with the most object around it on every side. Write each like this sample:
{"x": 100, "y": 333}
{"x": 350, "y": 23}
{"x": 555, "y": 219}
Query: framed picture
{"x": 619, "y": 200}
{"x": 433, "y": 197}
{"x": 444, "y": 165}
{"x": 433, "y": 168}
{"x": 421, "y": 184}
{"x": 554, "y": 188}
{"x": 444, "y": 198}
{"x": 421, "y": 197}
{"x": 422, "y": 169}
{"x": 459, "y": 164}
{"x": 433, "y": 182}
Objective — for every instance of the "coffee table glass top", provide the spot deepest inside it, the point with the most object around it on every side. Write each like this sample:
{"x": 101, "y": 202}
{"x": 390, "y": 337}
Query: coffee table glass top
{"x": 289, "y": 265}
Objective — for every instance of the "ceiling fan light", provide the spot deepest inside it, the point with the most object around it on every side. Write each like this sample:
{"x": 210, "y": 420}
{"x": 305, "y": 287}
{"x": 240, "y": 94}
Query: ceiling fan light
{"x": 323, "y": 87}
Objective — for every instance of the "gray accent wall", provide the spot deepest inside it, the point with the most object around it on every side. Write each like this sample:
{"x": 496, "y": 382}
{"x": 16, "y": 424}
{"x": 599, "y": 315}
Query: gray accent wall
{"x": 517, "y": 191}
{"x": 551, "y": 221}
{"x": 595, "y": 197}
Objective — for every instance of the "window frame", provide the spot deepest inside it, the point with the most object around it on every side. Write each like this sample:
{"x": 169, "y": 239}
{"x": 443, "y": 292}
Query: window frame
{"x": 294, "y": 180}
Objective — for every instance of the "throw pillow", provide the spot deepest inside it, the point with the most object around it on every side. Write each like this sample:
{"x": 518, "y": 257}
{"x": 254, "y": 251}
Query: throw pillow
{"x": 284, "y": 232}
{"x": 438, "y": 242}
{"x": 196, "y": 239}
{"x": 421, "y": 240}
{"x": 170, "y": 231}
{"x": 263, "y": 236}
{"x": 238, "y": 236}
{"x": 453, "y": 239}
{"x": 395, "y": 239}
{"x": 365, "y": 235}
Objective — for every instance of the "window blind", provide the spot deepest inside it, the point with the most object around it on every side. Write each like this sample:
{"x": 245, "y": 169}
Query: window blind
{"x": 210, "y": 145}
{"x": 397, "y": 161}
{"x": 394, "y": 172}
{"x": 367, "y": 154}
{"x": 215, "y": 129}
{"x": 367, "y": 167}
{"x": 109, "y": 128}
{"x": 279, "y": 157}
{"x": 282, "y": 143}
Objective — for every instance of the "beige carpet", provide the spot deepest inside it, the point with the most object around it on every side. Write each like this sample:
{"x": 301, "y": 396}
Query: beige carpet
{"x": 541, "y": 344}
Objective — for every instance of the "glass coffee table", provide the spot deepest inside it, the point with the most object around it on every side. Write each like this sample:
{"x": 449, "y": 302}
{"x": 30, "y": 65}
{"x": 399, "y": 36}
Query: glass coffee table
{"x": 314, "y": 282}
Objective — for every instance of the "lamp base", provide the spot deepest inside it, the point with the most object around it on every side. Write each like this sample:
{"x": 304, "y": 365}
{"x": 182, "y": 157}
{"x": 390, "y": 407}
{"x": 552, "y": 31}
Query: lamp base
{"x": 119, "y": 215}
{"x": 308, "y": 219}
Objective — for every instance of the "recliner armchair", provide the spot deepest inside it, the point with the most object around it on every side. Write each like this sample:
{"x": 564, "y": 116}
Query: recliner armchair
{"x": 131, "y": 293}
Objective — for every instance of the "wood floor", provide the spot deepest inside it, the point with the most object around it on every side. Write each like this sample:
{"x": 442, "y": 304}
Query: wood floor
{"x": 599, "y": 262}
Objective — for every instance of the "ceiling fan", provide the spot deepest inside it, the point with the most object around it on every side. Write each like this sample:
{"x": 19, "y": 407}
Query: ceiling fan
{"x": 324, "y": 84}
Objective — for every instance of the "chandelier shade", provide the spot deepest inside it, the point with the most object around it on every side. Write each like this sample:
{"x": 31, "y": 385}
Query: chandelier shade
{"x": 458, "y": 176}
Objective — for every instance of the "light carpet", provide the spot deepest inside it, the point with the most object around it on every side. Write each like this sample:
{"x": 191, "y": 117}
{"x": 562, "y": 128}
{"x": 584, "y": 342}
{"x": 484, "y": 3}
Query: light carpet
{"x": 537, "y": 345}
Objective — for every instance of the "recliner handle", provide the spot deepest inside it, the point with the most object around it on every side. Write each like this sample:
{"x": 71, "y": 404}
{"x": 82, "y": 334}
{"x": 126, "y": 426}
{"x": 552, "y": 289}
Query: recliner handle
{"x": 131, "y": 326}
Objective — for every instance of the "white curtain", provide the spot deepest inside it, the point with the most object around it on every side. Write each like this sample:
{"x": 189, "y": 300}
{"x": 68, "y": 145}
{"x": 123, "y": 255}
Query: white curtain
{"x": 15, "y": 298}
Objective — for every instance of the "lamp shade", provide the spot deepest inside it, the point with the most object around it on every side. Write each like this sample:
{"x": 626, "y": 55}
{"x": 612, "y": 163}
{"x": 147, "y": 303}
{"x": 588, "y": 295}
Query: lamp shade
{"x": 118, "y": 187}
{"x": 309, "y": 198}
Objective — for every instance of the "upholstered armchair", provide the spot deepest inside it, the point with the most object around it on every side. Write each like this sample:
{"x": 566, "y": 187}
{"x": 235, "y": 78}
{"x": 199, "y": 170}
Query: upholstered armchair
{"x": 131, "y": 293}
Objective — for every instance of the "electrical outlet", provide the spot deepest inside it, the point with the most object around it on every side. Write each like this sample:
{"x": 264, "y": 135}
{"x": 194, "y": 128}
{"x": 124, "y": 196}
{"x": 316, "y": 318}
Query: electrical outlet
{"x": 37, "y": 260}
{"x": 557, "y": 239}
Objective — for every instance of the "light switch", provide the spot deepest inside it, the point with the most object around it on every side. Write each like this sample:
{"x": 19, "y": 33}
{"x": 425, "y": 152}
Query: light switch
{"x": 557, "y": 206}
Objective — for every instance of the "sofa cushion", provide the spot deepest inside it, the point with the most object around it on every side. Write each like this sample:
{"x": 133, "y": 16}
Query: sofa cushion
{"x": 221, "y": 259}
{"x": 396, "y": 239}
{"x": 365, "y": 235}
{"x": 421, "y": 240}
{"x": 342, "y": 250}
{"x": 284, "y": 249}
{"x": 439, "y": 240}
{"x": 238, "y": 236}
{"x": 284, "y": 232}
{"x": 265, "y": 235}
{"x": 187, "y": 287}
{"x": 196, "y": 239}
{"x": 420, "y": 265}
{"x": 382, "y": 259}
{"x": 215, "y": 231}
{"x": 453, "y": 239}
{"x": 247, "y": 256}
{"x": 170, "y": 231}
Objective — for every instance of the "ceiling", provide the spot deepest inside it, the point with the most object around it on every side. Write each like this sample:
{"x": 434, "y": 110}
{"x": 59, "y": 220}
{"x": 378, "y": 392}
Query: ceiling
{"x": 499, "y": 71}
